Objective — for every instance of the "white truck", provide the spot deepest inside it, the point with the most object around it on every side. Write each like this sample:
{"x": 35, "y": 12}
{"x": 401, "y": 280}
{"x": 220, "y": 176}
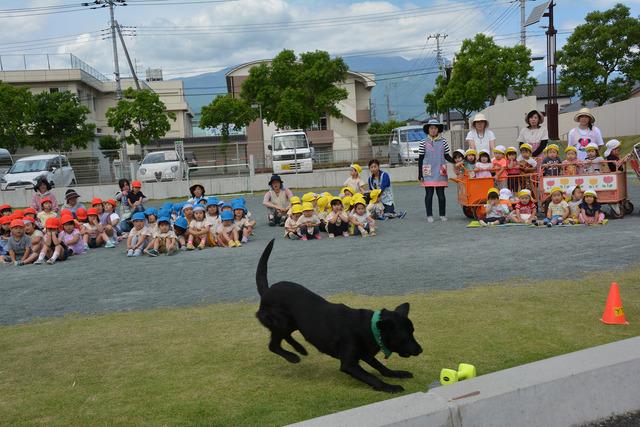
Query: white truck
{"x": 291, "y": 152}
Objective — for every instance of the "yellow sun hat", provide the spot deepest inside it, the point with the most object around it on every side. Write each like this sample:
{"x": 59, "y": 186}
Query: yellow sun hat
{"x": 470, "y": 151}
{"x": 322, "y": 202}
{"x": 552, "y": 147}
{"x": 373, "y": 196}
{"x": 493, "y": 190}
{"x": 524, "y": 192}
{"x": 556, "y": 189}
{"x": 357, "y": 167}
{"x": 347, "y": 188}
{"x": 347, "y": 202}
{"x": 296, "y": 209}
{"x": 358, "y": 198}
{"x": 571, "y": 148}
{"x": 590, "y": 193}
{"x": 307, "y": 206}
{"x": 334, "y": 198}
{"x": 526, "y": 146}
{"x": 309, "y": 197}
{"x": 327, "y": 194}
{"x": 512, "y": 150}
{"x": 295, "y": 200}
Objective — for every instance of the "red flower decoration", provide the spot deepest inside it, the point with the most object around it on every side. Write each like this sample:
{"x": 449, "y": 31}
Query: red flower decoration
{"x": 551, "y": 183}
{"x": 608, "y": 179}
{"x": 579, "y": 181}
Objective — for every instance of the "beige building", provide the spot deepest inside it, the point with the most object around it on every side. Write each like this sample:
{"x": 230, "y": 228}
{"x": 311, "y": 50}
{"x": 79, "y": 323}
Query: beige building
{"x": 66, "y": 72}
{"x": 337, "y": 138}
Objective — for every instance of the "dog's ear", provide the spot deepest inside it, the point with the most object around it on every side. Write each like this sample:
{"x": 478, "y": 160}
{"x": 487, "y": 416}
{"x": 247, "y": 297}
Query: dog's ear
{"x": 403, "y": 309}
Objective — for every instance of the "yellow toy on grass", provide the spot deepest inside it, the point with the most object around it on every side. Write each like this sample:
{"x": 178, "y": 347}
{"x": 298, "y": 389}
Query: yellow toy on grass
{"x": 464, "y": 372}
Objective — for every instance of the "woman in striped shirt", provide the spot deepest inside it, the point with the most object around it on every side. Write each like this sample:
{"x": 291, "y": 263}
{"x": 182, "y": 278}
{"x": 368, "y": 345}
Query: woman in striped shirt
{"x": 432, "y": 167}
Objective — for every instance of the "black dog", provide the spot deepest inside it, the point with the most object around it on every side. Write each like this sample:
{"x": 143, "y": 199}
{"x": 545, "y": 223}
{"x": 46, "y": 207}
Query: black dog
{"x": 344, "y": 333}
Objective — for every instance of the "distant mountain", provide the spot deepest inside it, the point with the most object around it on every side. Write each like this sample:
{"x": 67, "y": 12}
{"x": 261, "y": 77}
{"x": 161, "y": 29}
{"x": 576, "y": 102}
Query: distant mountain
{"x": 406, "y": 94}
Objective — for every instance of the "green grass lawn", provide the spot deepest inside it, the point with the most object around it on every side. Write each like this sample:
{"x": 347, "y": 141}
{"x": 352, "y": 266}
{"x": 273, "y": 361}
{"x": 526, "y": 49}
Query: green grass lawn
{"x": 209, "y": 365}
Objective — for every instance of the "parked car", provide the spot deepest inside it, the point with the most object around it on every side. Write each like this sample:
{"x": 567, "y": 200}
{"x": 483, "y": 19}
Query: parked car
{"x": 161, "y": 166}
{"x": 404, "y": 144}
{"x": 25, "y": 172}
{"x": 291, "y": 152}
{"x": 6, "y": 161}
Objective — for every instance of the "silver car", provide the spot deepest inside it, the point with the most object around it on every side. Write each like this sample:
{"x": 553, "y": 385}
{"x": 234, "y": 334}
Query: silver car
{"x": 404, "y": 144}
{"x": 26, "y": 171}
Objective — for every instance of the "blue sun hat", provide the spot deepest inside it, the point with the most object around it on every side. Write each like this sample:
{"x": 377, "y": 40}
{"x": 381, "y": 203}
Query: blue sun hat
{"x": 164, "y": 213}
{"x": 176, "y": 207}
{"x": 167, "y": 206}
{"x": 151, "y": 211}
{"x": 181, "y": 222}
{"x": 212, "y": 201}
{"x": 226, "y": 205}
{"x": 220, "y": 203}
{"x": 239, "y": 200}
{"x": 187, "y": 206}
{"x": 138, "y": 216}
{"x": 226, "y": 216}
{"x": 197, "y": 208}
{"x": 238, "y": 205}
{"x": 164, "y": 219}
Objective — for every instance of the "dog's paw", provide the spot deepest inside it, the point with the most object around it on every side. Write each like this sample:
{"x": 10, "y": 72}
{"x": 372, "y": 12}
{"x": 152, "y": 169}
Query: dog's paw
{"x": 391, "y": 388}
{"x": 402, "y": 374}
{"x": 293, "y": 358}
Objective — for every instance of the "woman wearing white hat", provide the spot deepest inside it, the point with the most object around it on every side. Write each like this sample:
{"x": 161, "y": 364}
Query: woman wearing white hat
{"x": 612, "y": 155}
{"x": 480, "y": 137}
{"x": 585, "y": 133}
{"x": 534, "y": 134}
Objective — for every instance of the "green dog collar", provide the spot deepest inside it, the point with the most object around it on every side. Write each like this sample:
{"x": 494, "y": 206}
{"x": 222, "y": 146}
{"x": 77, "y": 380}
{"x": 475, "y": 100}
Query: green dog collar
{"x": 376, "y": 334}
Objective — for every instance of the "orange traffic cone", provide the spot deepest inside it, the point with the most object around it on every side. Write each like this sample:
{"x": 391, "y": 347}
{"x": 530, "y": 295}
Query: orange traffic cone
{"x": 613, "y": 312}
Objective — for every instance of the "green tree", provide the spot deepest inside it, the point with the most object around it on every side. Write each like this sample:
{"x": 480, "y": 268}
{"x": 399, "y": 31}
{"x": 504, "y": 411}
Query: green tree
{"x": 16, "y": 105}
{"x": 142, "y": 115}
{"x": 296, "y": 93}
{"x": 600, "y": 60}
{"x": 59, "y": 122}
{"x": 482, "y": 71}
{"x": 109, "y": 145}
{"x": 380, "y": 131}
{"x": 227, "y": 112}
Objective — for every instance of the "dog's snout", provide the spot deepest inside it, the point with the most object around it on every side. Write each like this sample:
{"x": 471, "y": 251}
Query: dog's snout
{"x": 418, "y": 350}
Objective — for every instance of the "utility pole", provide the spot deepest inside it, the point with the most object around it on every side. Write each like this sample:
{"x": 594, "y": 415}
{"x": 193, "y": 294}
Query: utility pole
{"x": 126, "y": 53}
{"x": 552, "y": 83}
{"x": 438, "y": 37}
{"x": 523, "y": 29}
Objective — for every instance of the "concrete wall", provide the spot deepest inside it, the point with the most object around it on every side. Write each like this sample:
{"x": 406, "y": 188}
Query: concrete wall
{"x": 506, "y": 119}
{"x": 566, "y": 390}
{"x": 617, "y": 119}
{"x": 229, "y": 185}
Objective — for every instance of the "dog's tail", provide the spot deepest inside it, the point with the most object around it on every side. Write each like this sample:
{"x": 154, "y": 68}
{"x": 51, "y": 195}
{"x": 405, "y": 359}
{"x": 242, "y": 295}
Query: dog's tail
{"x": 261, "y": 272}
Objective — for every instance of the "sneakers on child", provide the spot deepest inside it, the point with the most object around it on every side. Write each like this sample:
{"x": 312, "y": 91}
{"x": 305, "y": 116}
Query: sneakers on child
{"x": 238, "y": 244}
{"x": 345, "y": 234}
{"x": 482, "y": 223}
{"x": 130, "y": 253}
{"x": 151, "y": 252}
{"x": 137, "y": 252}
{"x": 39, "y": 261}
{"x": 317, "y": 236}
{"x": 443, "y": 218}
{"x": 373, "y": 233}
{"x": 190, "y": 246}
{"x": 429, "y": 219}
{"x": 51, "y": 261}
{"x": 109, "y": 244}
{"x": 304, "y": 237}
{"x": 331, "y": 235}
{"x": 245, "y": 239}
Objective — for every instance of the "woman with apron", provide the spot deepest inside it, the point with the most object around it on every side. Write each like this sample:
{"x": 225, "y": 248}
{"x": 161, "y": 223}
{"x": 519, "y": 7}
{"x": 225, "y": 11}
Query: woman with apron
{"x": 432, "y": 167}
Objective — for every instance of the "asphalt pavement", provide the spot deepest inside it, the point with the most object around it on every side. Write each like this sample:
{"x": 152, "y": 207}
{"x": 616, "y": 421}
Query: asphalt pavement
{"x": 407, "y": 256}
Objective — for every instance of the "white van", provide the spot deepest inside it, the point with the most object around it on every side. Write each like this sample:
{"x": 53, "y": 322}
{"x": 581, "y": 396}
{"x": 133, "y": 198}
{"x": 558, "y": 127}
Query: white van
{"x": 25, "y": 172}
{"x": 404, "y": 144}
{"x": 291, "y": 152}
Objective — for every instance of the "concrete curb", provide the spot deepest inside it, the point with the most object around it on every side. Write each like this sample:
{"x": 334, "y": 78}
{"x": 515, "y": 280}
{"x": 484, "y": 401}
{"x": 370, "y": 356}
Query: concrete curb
{"x": 566, "y": 390}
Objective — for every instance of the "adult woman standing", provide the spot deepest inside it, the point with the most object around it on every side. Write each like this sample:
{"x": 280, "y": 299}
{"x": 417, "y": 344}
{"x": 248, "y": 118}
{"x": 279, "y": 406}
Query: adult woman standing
{"x": 434, "y": 154}
{"x": 480, "y": 137}
{"x": 584, "y": 133}
{"x": 534, "y": 134}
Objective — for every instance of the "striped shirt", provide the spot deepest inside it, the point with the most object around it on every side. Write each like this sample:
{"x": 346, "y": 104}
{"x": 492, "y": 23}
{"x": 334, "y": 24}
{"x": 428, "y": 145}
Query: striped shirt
{"x": 447, "y": 149}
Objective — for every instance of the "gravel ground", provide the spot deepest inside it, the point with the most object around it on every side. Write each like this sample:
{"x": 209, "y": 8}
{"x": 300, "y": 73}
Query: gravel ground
{"x": 630, "y": 419}
{"x": 407, "y": 256}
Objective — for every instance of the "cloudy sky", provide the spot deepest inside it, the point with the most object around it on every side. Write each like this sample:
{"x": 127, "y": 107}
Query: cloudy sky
{"x": 186, "y": 37}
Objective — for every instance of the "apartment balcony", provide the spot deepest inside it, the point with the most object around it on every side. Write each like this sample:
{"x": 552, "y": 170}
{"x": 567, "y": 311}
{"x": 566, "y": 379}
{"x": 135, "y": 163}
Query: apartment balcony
{"x": 363, "y": 116}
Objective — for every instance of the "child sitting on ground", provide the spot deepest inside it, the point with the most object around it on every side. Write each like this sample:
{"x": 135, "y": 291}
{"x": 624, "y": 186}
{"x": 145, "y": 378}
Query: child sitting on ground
{"x": 483, "y": 165}
{"x": 495, "y": 212}
{"x": 227, "y": 233}
{"x": 575, "y": 200}
{"x": 244, "y": 224}
{"x": 558, "y": 210}
{"x": 291, "y": 228}
{"x": 18, "y": 245}
{"x": 181, "y": 229}
{"x": 5, "y": 210}
{"x": 525, "y": 209}
{"x": 198, "y": 229}
{"x": 458, "y": 161}
{"x": 53, "y": 247}
{"x": 590, "y": 209}
{"x": 138, "y": 235}
{"x": 294, "y": 200}
{"x": 364, "y": 225}
{"x": 135, "y": 197}
{"x": 338, "y": 219}
{"x": 94, "y": 235}
{"x": 322, "y": 204}
{"x": 551, "y": 161}
{"x": 570, "y": 164}
{"x": 470, "y": 162}
{"x": 71, "y": 236}
{"x": 47, "y": 211}
{"x": 111, "y": 222}
{"x": 36, "y": 236}
{"x": 309, "y": 223}
{"x": 526, "y": 163}
{"x": 592, "y": 163}
{"x": 165, "y": 240}
{"x": 375, "y": 208}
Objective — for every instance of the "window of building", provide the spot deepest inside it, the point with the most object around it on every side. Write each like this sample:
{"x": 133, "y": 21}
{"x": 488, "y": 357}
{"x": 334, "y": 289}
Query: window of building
{"x": 322, "y": 124}
{"x": 54, "y": 90}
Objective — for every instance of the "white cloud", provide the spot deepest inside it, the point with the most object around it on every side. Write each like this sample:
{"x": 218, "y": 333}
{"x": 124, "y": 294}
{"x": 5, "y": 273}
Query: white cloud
{"x": 197, "y": 51}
